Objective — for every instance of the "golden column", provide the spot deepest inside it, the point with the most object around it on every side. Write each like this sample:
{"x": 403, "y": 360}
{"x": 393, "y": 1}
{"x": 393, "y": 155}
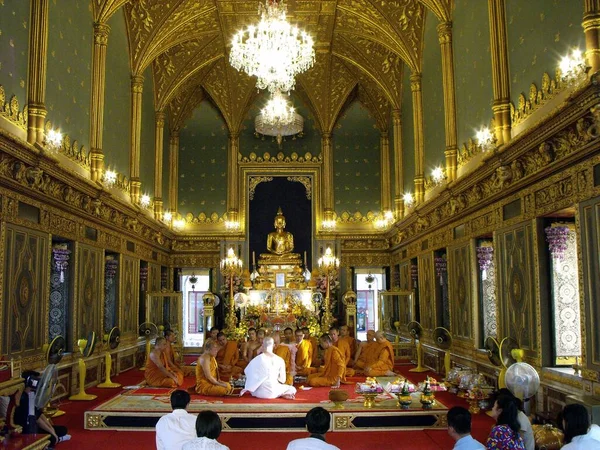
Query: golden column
{"x": 233, "y": 203}
{"x": 591, "y": 27}
{"x": 209, "y": 301}
{"x": 101, "y": 31}
{"x": 349, "y": 300}
{"x": 36, "y": 86}
{"x": 399, "y": 164}
{"x": 500, "y": 72}
{"x": 444, "y": 30}
{"x": 137, "y": 87}
{"x": 158, "y": 163}
{"x": 417, "y": 100}
{"x": 231, "y": 266}
{"x": 386, "y": 188}
{"x": 327, "y": 184}
{"x": 328, "y": 266}
{"x": 173, "y": 169}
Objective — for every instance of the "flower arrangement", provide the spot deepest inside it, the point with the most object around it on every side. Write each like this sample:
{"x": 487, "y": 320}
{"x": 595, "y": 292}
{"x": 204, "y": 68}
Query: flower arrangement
{"x": 485, "y": 256}
{"x": 440, "y": 268}
{"x": 321, "y": 281}
{"x": 238, "y": 285}
{"x": 370, "y": 386}
{"x": 557, "y": 236}
{"x": 143, "y": 277}
{"x": 434, "y": 385}
{"x": 400, "y": 386}
{"x": 60, "y": 254}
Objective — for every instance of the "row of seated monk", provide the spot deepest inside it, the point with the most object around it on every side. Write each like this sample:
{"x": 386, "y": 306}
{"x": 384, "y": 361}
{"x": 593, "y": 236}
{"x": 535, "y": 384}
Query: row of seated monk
{"x": 223, "y": 359}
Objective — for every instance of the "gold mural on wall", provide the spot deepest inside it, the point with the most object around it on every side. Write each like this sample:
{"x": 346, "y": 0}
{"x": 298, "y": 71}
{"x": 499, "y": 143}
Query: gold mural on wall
{"x": 427, "y": 291}
{"x": 89, "y": 289}
{"x": 129, "y": 299}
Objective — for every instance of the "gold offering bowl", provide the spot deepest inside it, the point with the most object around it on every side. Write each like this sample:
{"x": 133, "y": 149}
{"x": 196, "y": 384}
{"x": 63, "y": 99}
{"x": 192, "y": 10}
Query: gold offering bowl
{"x": 338, "y": 397}
{"x": 369, "y": 399}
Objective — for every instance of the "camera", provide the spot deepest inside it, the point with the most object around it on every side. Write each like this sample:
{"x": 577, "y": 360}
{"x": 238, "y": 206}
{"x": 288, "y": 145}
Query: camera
{"x": 32, "y": 379}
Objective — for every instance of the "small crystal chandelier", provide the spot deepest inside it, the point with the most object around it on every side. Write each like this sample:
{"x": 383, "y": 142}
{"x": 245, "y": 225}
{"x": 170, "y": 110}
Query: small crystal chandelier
{"x": 273, "y": 51}
{"x": 278, "y": 118}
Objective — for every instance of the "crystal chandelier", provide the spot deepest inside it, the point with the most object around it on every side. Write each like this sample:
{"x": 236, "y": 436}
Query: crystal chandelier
{"x": 273, "y": 51}
{"x": 278, "y": 118}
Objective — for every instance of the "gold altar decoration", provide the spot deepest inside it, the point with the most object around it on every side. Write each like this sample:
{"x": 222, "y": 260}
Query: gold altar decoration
{"x": 231, "y": 266}
{"x": 328, "y": 266}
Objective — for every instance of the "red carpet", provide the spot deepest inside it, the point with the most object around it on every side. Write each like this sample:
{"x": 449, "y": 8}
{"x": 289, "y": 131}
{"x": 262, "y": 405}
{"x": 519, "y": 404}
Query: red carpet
{"x": 372, "y": 440}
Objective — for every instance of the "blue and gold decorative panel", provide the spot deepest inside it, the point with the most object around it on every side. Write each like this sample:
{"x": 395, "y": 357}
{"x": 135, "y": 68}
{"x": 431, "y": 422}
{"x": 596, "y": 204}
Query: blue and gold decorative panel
{"x": 356, "y": 162}
{"x": 540, "y": 33}
{"x": 462, "y": 305}
{"x": 148, "y": 132}
{"x": 25, "y": 308}
{"x": 70, "y": 40}
{"x": 129, "y": 288}
{"x": 434, "y": 139}
{"x": 408, "y": 133}
{"x": 427, "y": 291}
{"x": 90, "y": 290}
{"x": 203, "y": 143}
{"x": 14, "y": 45}
{"x": 117, "y": 97}
{"x": 472, "y": 67}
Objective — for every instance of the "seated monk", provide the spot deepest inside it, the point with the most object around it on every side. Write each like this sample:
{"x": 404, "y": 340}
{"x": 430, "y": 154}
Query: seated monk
{"x": 303, "y": 355}
{"x": 212, "y": 334}
{"x": 344, "y": 347}
{"x": 385, "y": 358}
{"x": 366, "y": 353}
{"x": 315, "y": 362}
{"x": 228, "y": 356}
{"x": 207, "y": 373}
{"x": 243, "y": 362}
{"x": 158, "y": 373}
{"x": 255, "y": 348}
{"x": 345, "y": 336}
{"x": 334, "y": 370}
{"x": 171, "y": 337}
{"x": 283, "y": 351}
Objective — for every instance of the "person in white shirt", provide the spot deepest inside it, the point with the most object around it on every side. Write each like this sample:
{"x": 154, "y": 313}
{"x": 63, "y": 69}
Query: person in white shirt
{"x": 579, "y": 435}
{"x": 317, "y": 423}
{"x": 176, "y": 428}
{"x": 208, "y": 429}
{"x": 459, "y": 429}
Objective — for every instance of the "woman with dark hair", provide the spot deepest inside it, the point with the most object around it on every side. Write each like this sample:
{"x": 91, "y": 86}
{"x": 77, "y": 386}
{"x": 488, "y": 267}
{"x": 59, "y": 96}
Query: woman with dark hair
{"x": 208, "y": 429}
{"x": 578, "y": 432}
{"x": 505, "y": 434}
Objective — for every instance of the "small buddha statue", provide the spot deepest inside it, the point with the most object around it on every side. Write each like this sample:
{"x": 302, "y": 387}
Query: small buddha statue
{"x": 280, "y": 242}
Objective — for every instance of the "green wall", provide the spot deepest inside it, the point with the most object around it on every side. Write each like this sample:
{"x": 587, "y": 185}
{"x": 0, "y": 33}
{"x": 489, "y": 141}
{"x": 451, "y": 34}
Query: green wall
{"x": 540, "y": 33}
{"x": 117, "y": 97}
{"x": 203, "y": 145}
{"x": 310, "y": 141}
{"x": 356, "y": 162}
{"x": 148, "y": 133}
{"x": 14, "y": 43}
{"x": 434, "y": 140}
{"x": 472, "y": 68}
{"x": 408, "y": 133}
{"x": 70, "y": 40}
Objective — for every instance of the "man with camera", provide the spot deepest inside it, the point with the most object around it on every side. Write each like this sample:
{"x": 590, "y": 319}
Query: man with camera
{"x": 32, "y": 419}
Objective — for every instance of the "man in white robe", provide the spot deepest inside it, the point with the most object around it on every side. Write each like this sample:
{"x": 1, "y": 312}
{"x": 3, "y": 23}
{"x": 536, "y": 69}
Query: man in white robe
{"x": 265, "y": 375}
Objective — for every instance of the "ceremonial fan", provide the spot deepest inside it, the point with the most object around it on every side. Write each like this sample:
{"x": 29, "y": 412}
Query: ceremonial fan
{"x": 54, "y": 353}
{"x": 150, "y": 331}
{"x": 86, "y": 347}
{"x": 443, "y": 340}
{"x": 111, "y": 340}
{"x": 416, "y": 330}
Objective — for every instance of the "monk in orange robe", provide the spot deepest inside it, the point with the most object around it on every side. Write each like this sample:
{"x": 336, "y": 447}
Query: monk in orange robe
{"x": 367, "y": 352}
{"x": 243, "y": 361}
{"x": 228, "y": 356}
{"x": 207, "y": 373}
{"x": 315, "y": 362}
{"x": 158, "y": 372}
{"x": 283, "y": 351}
{"x": 344, "y": 348}
{"x": 345, "y": 336}
{"x": 385, "y": 358}
{"x": 171, "y": 337}
{"x": 254, "y": 348}
{"x": 303, "y": 355}
{"x": 334, "y": 370}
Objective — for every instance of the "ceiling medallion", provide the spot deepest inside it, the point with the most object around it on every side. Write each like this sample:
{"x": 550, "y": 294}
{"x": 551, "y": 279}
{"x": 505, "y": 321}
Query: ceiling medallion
{"x": 278, "y": 118}
{"x": 273, "y": 51}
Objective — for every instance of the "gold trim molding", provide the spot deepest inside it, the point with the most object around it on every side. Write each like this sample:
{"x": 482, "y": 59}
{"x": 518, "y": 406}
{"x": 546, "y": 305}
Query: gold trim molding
{"x": 10, "y": 110}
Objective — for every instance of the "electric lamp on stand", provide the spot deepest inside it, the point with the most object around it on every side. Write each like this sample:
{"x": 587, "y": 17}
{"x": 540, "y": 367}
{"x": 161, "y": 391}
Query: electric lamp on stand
{"x": 328, "y": 267}
{"x": 231, "y": 266}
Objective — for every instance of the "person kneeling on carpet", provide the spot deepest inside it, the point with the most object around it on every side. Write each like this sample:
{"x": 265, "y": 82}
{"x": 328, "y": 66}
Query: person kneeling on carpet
{"x": 158, "y": 371}
{"x": 176, "y": 428}
{"x": 207, "y": 373}
{"x": 265, "y": 375}
{"x": 208, "y": 429}
{"x": 32, "y": 419}
{"x": 334, "y": 370}
{"x": 317, "y": 424}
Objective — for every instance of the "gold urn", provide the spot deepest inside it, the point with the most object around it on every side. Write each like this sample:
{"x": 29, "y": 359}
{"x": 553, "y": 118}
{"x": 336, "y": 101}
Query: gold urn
{"x": 338, "y": 397}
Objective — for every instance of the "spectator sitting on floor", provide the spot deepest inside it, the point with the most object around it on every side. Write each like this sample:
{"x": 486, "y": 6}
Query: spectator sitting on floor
{"x": 317, "y": 424}
{"x": 579, "y": 435}
{"x": 459, "y": 429}
{"x": 208, "y": 429}
{"x": 526, "y": 431}
{"x": 176, "y": 428}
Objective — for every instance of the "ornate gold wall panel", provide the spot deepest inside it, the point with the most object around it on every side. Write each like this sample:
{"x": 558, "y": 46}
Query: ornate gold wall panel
{"x": 130, "y": 294}
{"x": 88, "y": 285}
{"x": 405, "y": 282}
{"x": 25, "y": 299}
{"x": 153, "y": 278}
{"x": 463, "y": 304}
{"x": 427, "y": 292}
{"x": 518, "y": 316}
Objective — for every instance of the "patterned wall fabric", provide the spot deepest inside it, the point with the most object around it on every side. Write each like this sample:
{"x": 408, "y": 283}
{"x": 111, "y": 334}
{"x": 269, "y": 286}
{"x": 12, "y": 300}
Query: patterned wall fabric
{"x": 111, "y": 290}
{"x": 488, "y": 303}
{"x": 426, "y": 282}
{"x": 356, "y": 162}
{"x": 117, "y": 97}
{"x": 129, "y": 288}
{"x": 90, "y": 289}
{"x": 59, "y": 303}
{"x": 459, "y": 265}
{"x": 70, "y": 40}
{"x": 14, "y": 44}
{"x": 434, "y": 139}
{"x": 540, "y": 33}
{"x": 203, "y": 143}
{"x": 148, "y": 133}
{"x": 472, "y": 67}
{"x": 408, "y": 133}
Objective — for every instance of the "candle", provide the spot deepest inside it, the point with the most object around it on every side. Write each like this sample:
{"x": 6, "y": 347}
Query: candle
{"x": 304, "y": 258}
{"x": 254, "y": 258}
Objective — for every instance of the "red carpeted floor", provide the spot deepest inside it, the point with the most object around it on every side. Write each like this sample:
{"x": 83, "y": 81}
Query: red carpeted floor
{"x": 372, "y": 440}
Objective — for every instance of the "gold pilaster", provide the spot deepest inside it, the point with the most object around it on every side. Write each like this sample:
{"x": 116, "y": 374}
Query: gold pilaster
{"x": 101, "y": 32}
{"x": 137, "y": 87}
{"x": 386, "y": 188}
{"x": 36, "y": 87}
{"x": 233, "y": 197}
{"x": 158, "y": 163}
{"x": 500, "y": 71}
{"x": 444, "y": 30}
{"x": 173, "y": 169}
{"x": 417, "y": 100}
{"x": 591, "y": 28}
{"x": 327, "y": 184}
{"x": 398, "y": 164}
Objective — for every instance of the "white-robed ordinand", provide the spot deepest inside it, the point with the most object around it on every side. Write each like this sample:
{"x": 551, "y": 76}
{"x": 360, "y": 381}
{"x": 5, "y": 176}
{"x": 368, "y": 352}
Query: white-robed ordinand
{"x": 265, "y": 375}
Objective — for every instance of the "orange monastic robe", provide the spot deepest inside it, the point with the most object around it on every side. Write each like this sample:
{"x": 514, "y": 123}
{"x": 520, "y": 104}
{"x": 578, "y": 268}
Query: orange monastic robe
{"x": 229, "y": 356}
{"x": 315, "y": 351}
{"x": 205, "y": 387}
{"x": 304, "y": 358}
{"x": 334, "y": 368}
{"x": 170, "y": 357}
{"x": 344, "y": 348}
{"x": 284, "y": 352}
{"x": 154, "y": 377}
{"x": 385, "y": 360}
{"x": 351, "y": 343}
{"x": 368, "y": 355}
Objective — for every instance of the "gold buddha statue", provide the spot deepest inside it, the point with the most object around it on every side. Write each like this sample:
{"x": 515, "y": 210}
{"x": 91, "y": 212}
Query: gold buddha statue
{"x": 280, "y": 242}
